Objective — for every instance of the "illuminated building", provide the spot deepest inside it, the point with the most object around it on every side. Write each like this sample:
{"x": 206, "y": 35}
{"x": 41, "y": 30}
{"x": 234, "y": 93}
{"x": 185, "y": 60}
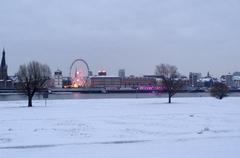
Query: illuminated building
{"x": 67, "y": 82}
{"x": 79, "y": 73}
{"x": 79, "y": 80}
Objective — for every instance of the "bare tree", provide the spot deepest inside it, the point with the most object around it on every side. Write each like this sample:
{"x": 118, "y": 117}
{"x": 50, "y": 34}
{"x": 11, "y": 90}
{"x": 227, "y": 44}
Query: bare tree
{"x": 170, "y": 79}
{"x": 219, "y": 90}
{"x": 32, "y": 78}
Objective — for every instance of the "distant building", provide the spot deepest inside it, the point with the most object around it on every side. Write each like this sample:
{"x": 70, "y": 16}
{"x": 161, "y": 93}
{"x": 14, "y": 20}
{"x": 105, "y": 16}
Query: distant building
{"x": 135, "y": 82}
{"x": 108, "y": 82}
{"x": 90, "y": 73}
{"x": 102, "y": 73}
{"x": 58, "y": 79}
{"x": 229, "y": 80}
{"x": 236, "y": 81}
{"x": 116, "y": 82}
{"x": 3, "y": 68}
{"x": 185, "y": 81}
{"x": 121, "y": 73}
{"x": 205, "y": 82}
{"x": 193, "y": 78}
{"x": 67, "y": 82}
{"x": 5, "y": 81}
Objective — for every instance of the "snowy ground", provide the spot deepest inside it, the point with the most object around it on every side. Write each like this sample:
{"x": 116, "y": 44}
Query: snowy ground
{"x": 121, "y": 128}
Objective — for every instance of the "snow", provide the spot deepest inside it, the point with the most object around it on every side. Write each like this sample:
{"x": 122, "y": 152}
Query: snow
{"x": 121, "y": 128}
{"x": 236, "y": 78}
{"x": 206, "y": 79}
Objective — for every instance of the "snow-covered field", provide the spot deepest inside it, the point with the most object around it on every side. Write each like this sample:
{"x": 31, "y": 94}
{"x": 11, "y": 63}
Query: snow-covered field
{"x": 121, "y": 128}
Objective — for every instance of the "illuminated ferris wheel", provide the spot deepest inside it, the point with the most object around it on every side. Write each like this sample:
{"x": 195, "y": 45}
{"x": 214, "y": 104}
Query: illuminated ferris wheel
{"x": 79, "y": 73}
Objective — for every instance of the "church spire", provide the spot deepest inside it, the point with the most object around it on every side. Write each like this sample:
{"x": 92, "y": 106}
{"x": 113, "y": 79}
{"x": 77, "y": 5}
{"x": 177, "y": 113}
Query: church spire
{"x": 3, "y": 63}
{"x": 3, "y": 67}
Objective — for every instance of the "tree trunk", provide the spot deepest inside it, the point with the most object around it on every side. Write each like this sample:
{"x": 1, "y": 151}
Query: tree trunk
{"x": 29, "y": 101}
{"x": 221, "y": 97}
{"x": 169, "y": 98}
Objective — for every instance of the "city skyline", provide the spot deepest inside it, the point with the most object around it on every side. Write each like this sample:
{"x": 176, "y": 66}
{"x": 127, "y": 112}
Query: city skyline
{"x": 200, "y": 36}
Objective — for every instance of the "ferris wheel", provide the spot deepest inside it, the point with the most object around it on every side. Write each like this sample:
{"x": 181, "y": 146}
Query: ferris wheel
{"x": 79, "y": 73}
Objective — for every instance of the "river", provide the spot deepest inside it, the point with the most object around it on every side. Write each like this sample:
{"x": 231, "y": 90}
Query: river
{"x": 77, "y": 95}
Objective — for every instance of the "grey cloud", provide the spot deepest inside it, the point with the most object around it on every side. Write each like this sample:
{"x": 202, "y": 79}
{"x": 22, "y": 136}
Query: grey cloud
{"x": 114, "y": 34}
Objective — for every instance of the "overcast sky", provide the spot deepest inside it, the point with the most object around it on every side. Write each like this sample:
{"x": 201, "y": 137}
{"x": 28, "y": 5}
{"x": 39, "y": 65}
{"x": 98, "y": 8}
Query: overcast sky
{"x": 194, "y": 35}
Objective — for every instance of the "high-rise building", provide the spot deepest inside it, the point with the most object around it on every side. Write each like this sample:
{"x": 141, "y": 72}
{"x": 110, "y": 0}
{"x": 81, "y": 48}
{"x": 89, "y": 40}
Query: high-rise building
{"x": 121, "y": 73}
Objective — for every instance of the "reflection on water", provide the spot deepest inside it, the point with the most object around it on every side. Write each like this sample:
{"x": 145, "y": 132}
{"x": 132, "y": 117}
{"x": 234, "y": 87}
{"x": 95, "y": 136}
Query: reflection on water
{"x": 76, "y": 95}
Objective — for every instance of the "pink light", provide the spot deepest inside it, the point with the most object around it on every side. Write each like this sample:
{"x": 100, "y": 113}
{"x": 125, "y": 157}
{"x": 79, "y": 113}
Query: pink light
{"x": 151, "y": 88}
